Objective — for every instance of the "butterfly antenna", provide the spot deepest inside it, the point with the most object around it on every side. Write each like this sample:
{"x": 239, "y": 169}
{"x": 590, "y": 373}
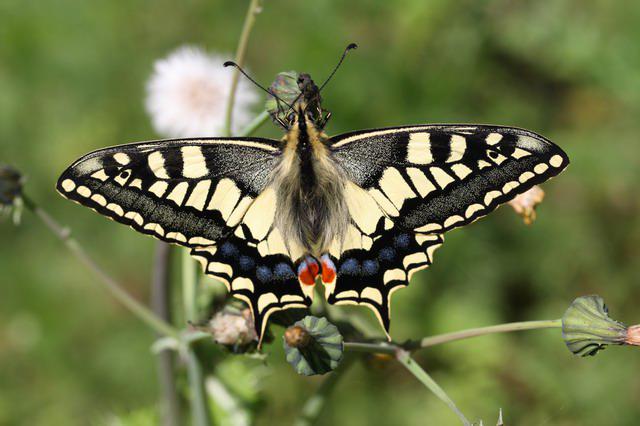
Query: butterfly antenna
{"x": 344, "y": 55}
{"x": 233, "y": 64}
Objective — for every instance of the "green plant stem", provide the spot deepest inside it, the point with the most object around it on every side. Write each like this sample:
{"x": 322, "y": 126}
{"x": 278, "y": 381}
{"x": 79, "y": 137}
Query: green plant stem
{"x": 414, "y": 368}
{"x": 199, "y": 406}
{"x": 254, "y": 8}
{"x": 392, "y": 348}
{"x": 312, "y": 408}
{"x": 161, "y": 305}
{"x": 138, "y": 309}
{"x": 198, "y": 401}
{"x": 189, "y": 286}
{"x": 481, "y": 331}
{"x": 255, "y": 124}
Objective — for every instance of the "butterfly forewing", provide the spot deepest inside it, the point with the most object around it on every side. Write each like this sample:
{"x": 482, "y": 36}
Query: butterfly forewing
{"x": 437, "y": 177}
{"x": 191, "y": 192}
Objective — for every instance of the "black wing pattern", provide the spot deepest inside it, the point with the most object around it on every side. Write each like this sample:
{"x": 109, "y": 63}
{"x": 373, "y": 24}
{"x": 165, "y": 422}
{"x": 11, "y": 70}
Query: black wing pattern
{"x": 202, "y": 194}
{"x": 417, "y": 183}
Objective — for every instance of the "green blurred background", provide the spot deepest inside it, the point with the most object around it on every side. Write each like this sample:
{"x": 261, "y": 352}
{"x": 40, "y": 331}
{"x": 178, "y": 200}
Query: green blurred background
{"x": 72, "y": 78}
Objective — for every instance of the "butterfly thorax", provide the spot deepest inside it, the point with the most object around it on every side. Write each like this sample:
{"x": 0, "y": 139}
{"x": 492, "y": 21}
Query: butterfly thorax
{"x": 311, "y": 211}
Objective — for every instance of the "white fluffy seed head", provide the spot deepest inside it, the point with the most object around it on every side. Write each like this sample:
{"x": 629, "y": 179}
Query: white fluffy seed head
{"x": 188, "y": 91}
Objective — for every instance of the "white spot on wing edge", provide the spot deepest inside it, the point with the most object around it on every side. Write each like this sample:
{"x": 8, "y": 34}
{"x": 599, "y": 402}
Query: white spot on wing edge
{"x": 556, "y": 161}
{"x": 68, "y": 185}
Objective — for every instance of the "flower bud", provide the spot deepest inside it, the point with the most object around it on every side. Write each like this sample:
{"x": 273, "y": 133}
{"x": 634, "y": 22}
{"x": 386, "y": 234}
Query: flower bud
{"x": 587, "y": 328}
{"x": 10, "y": 185}
{"x": 297, "y": 337}
{"x": 286, "y": 87}
{"x": 232, "y": 327}
{"x": 525, "y": 204}
{"x": 313, "y": 346}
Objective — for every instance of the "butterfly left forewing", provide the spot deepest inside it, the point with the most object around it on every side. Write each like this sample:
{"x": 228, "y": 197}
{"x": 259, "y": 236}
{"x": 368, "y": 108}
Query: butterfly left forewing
{"x": 191, "y": 191}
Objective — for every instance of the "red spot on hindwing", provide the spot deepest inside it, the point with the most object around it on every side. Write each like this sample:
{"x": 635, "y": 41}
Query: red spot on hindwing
{"x": 308, "y": 271}
{"x": 328, "y": 270}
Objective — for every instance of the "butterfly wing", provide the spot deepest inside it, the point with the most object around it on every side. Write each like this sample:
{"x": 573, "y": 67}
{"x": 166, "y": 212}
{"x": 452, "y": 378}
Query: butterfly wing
{"x": 420, "y": 182}
{"x": 204, "y": 194}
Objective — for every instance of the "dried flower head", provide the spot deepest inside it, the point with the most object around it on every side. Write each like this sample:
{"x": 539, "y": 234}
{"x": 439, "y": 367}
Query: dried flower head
{"x": 232, "y": 327}
{"x": 188, "y": 91}
{"x": 525, "y": 204}
{"x": 11, "y": 182}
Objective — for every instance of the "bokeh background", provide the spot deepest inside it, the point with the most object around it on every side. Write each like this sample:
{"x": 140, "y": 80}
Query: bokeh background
{"x": 72, "y": 78}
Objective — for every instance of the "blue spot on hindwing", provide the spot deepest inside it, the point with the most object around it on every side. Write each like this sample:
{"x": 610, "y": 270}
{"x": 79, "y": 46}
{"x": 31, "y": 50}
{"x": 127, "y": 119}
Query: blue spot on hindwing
{"x": 263, "y": 273}
{"x": 228, "y": 249}
{"x": 370, "y": 267}
{"x": 246, "y": 263}
{"x": 387, "y": 254}
{"x": 402, "y": 240}
{"x": 283, "y": 271}
{"x": 350, "y": 267}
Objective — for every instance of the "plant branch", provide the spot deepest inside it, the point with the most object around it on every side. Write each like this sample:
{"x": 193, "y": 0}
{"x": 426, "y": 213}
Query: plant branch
{"x": 161, "y": 305}
{"x": 199, "y": 406}
{"x": 481, "y": 331}
{"x": 198, "y": 401}
{"x": 412, "y": 345}
{"x": 138, "y": 309}
{"x": 414, "y": 368}
{"x": 255, "y": 124}
{"x": 255, "y": 7}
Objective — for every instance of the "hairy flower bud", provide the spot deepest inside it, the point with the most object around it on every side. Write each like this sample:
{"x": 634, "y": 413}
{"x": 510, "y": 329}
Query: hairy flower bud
{"x": 232, "y": 327}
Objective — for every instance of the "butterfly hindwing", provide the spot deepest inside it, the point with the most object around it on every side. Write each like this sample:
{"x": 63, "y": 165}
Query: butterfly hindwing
{"x": 256, "y": 264}
{"x": 191, "y": 191}
{"x": 436, "y": 177}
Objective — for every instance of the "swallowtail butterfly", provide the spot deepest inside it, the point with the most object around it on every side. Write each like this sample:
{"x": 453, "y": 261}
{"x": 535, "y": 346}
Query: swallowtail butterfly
{"x": 359, "y": 213}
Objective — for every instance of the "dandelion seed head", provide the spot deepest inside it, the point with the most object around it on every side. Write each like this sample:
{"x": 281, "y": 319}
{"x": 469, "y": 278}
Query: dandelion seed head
{"x": 188, "y": 91}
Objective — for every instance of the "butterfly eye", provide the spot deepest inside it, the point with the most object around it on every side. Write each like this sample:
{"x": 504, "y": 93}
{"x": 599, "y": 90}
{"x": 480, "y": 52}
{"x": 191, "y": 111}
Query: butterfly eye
{"x": 124, "y": 174}
{"x": 493, "y": 154}
{"x": 292, "y": 117}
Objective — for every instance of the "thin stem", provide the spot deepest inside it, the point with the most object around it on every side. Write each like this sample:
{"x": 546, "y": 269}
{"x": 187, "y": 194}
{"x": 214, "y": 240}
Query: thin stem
{"x": 189, "y": 286}
{"x": 312, "y": 408}
{"x": 64, "y": 235}
{"x": 414, "y": 368}
{"x": 255, "y": 124}
{"x": 391, "y": 347}
{"x": 377, "y": 348}
{"x": 481, "y": 331}
{"x": 199, "y": 406}
{"x": 255, "y": 7}
{"x": 161, "y": 305}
